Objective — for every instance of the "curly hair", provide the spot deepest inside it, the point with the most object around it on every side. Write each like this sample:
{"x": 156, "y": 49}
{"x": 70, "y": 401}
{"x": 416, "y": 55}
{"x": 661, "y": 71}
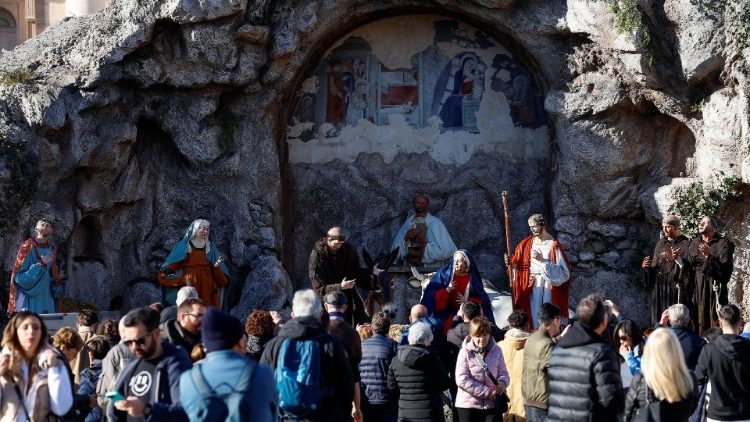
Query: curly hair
{"x": 68, "y": 338}
{"x": 259, "y": 323}
{"x": 108, "y": 328}
{"x": 87, "y": 318}
{"x": 365, "y": 331}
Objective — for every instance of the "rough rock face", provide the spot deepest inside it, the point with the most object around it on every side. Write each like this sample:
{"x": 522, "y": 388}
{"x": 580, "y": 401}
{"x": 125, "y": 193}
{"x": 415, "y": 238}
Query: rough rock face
{"x": 151, "y": 114}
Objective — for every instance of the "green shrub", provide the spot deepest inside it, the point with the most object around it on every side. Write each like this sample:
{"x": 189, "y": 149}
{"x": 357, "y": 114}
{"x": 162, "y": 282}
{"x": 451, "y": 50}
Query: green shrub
{"x": 697, "y": 199}
{"x": 16, "y": 76}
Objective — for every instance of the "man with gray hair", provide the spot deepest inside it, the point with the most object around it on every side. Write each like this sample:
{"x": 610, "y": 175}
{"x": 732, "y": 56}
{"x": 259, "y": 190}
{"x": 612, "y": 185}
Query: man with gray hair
{"x": 678, "y": 317}
{"x": 335, "y": 402}
{"x": 417, "y": 377}
{"x": 540, "y": 271}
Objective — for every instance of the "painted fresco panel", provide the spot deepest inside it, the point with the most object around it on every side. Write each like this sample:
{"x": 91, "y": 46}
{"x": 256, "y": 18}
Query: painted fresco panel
{"x": 439, "y": 86}
{"x": 357, "y": 85}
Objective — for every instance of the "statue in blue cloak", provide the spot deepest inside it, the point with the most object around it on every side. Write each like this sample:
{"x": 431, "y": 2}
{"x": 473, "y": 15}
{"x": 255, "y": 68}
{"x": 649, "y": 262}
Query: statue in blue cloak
{"x": 440, "y": 294}
{"x": 195, "y": 261}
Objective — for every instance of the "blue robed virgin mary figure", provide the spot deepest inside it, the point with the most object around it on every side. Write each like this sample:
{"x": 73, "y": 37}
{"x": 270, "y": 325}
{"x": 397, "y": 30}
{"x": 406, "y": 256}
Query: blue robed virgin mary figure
{"x": 195, "y": 261}
{"x": 456, "y": 282}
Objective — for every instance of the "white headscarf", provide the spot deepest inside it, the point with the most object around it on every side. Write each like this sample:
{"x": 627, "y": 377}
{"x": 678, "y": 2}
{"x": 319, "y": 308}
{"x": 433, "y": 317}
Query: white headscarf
{"x": 193, "y": 232}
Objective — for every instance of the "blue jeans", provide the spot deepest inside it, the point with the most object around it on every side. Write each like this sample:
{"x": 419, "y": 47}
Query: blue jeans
{"x": 535, "y": 414}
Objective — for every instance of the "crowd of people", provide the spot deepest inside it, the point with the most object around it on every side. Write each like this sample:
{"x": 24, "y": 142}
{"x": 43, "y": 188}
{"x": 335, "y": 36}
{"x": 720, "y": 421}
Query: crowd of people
{"x": 198, "y": 363}
{"x": 335, "y": 359}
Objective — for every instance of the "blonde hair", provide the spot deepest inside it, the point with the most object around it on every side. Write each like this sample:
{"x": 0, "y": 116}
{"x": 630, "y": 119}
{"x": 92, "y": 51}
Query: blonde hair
{"x": 663, "y": 367}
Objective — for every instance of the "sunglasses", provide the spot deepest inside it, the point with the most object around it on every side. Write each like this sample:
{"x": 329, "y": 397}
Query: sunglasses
{"x": 140, "y": 341}
{"x": 339, "y": 238}
{"x": 623, "y": 338}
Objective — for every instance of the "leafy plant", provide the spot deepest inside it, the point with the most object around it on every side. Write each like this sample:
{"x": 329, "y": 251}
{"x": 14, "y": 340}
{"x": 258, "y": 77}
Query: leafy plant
{"x": 737, "y": 18}
{"x": 20, "y": 75}
{"x": 21, "y": 170}
{"x": 630, "y": 19}
{"x": 698, "y": 200}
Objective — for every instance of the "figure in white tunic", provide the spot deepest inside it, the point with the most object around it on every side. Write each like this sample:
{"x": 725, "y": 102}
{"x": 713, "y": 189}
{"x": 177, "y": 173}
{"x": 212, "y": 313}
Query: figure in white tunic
{"x": 540, "y": 271}
{"x": 423, "y": 238}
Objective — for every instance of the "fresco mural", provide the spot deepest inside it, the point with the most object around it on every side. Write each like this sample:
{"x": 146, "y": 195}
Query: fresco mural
{"x": 447, "y": 80}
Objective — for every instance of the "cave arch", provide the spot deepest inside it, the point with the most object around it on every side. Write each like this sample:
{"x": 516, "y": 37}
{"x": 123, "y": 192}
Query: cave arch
{"x": 376, "y": 183}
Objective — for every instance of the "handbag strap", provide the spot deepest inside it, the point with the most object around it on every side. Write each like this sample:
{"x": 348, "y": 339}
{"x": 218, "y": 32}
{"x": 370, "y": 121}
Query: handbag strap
{"x": 21, "y": 400}
{"x": 480, "y": 360}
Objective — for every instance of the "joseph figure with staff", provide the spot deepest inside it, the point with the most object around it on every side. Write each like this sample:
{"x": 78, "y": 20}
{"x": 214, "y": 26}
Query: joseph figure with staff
{"x": 540, "y": 271}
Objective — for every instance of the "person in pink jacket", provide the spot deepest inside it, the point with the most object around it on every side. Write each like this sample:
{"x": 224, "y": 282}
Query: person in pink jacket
{"x": 475, "y": 400}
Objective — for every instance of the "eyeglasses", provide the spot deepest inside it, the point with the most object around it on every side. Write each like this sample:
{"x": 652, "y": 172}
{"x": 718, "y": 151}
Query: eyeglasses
{"x": 334, "y": 238}
{"x": 194, "y": 315}
{"x": 140, "y": 341}
{"x": 623, "y": 338}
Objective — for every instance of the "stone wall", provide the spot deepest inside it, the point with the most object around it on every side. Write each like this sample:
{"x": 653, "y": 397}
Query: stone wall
{"x": 149, "y": 115}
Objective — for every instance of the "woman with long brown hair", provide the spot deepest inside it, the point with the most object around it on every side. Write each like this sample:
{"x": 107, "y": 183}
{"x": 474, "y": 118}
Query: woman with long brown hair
{"x": 34, "y": 383}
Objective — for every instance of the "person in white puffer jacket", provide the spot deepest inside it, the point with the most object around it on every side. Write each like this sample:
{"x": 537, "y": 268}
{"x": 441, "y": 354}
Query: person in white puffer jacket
{"x": 34, "y": 382}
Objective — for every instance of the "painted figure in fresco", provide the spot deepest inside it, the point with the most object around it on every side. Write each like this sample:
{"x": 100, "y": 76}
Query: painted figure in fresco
{"x": 195, "y": 261}
{"x": 540, "y": 271}
{"x": 35, "y": 272}
{"x": 455, "y": 83}
{"x": 526, "y": 108}
{"x": 357, "y": 105}
{"x": 337, "y": 94}
{"x": 423, "y": 238}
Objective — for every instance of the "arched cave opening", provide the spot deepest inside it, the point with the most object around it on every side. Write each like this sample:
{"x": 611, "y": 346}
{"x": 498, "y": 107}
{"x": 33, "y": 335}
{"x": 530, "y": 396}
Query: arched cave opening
{"x": 413, "y": 103}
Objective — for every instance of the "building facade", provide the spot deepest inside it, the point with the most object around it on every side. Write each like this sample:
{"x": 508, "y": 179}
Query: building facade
{"x": 24, "y": 19}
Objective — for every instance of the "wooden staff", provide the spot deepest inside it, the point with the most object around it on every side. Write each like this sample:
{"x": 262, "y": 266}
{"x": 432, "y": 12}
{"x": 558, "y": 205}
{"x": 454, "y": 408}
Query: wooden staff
{"x": 507, "y": 242}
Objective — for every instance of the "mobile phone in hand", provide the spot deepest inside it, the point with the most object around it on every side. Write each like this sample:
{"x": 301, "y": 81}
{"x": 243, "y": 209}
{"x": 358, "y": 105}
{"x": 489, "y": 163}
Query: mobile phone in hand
{"x": 115, "y": 396}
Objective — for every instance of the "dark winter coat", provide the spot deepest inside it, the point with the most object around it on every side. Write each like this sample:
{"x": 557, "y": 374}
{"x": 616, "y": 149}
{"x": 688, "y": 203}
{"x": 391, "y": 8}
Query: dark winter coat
{"x": 378, "y": 352}
{"x": 691, "y": 343}
{"x": 336, "y": 404}
{"x": 417, "y": 378}
{"x": 725, "y": 362}
{"x": 165, "y": 394}
{"x": 584, "y": 378}
{"x": 640, "y": 398}
{"x": 173, "y": 332}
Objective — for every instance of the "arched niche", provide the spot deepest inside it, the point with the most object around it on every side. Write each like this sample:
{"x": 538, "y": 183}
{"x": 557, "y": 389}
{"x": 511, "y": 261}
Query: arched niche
{"x": 414, "y": 103}
{"x": 8, "y": 30}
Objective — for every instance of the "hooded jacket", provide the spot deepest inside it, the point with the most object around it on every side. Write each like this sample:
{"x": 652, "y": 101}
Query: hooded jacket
{"x": 474, "y": 386}
{"x": 417, "y": 377}
{"x": 336, "y": 371}
{"x": 512, "y": 347}
{"x": 584, "y": 378}
{"x": 165, "y": 393}
{"x": 725, "y": 362}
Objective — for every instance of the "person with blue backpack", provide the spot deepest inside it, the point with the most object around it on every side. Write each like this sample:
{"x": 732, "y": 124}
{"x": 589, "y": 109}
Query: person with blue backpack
{"x": 227, "y": 386}
{"x": 311, "y": 368}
